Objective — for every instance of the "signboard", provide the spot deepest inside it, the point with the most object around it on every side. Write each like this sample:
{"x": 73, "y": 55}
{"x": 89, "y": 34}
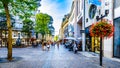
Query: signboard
{"x": 82, "y": 31}
{"x": 95, "y": 2}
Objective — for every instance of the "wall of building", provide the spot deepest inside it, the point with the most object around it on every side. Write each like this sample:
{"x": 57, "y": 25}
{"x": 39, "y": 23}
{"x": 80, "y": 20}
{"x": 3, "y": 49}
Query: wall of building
{"x": 79, "y": 17}
{"x": 106, "y": 4}
{"x": 71, "y": 20}
{"x": 117, "y": 12}
{"x": 108, "y": 43}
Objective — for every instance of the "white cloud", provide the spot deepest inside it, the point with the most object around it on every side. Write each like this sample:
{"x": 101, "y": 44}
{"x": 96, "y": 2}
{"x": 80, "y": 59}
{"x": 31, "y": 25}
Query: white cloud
{"x": 56, "y": 10}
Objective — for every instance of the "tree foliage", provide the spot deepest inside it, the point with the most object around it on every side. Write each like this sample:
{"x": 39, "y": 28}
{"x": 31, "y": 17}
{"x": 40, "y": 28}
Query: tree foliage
{"x": 56, "y": 38}
{"x": 3, "y": 20}
{"x": 42, "y": 21}
{"x": 17, "y": 7}
{"x": 22, "y": 8}
{"x": 27, "y": 25}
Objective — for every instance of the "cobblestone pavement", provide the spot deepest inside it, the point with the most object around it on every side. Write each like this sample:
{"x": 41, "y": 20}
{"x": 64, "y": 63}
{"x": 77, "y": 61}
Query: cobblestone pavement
{"x": 54, "y": 58}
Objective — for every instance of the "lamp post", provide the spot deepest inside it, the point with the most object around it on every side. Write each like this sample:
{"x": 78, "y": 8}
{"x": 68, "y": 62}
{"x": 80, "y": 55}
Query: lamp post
{"x": 100, "y": 18}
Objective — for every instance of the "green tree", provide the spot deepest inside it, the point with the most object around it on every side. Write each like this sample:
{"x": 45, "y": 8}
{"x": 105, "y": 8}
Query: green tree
{"x": 3, "y": 20}
{"x": 17, "y": 7}
{"x": 27, "y": 27}
{"x": 42, "y": 21}
{"x": 56, "y": 38}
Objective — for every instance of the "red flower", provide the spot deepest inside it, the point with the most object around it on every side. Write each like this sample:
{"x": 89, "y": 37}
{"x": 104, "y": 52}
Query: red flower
{"x": 102, "y": 29}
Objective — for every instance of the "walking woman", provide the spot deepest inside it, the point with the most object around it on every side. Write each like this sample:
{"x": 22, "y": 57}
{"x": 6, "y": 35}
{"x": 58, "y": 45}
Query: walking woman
{"x": 58, "y": 44}
{"x": 48, "y": 45}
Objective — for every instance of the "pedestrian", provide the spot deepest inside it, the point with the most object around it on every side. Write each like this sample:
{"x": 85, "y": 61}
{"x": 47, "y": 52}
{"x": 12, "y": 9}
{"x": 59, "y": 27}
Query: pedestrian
{"x": 58, "y": 44}
{"x": 75, "y": 47}
{"x": 42, "y": 45}
{"x": 48, "y": 46}
{"x": 45, "y": 45}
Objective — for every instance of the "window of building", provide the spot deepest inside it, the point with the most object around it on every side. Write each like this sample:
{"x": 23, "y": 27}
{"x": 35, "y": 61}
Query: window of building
{"x": 116, "y": 38}
{"x": 116, "y": 3}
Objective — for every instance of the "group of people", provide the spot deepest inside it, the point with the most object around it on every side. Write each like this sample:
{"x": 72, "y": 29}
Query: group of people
{"x": 47, "y": 44}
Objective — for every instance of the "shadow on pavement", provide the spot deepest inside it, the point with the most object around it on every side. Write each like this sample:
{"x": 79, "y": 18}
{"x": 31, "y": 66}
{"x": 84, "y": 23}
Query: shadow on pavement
{"x": 5, "y": 60}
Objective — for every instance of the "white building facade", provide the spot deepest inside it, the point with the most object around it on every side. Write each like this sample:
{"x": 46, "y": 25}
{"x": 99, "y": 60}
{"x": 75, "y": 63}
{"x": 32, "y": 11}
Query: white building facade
{"x": 91, "y": 12}
{"x": 71, "y": 21}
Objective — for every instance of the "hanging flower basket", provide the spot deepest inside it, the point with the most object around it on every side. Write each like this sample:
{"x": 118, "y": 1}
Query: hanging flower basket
{"x": 102, "y": 29}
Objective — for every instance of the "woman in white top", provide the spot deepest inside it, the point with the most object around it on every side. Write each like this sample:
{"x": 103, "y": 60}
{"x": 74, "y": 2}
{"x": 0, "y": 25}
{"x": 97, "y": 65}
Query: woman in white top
{"x": 75, "y": 47}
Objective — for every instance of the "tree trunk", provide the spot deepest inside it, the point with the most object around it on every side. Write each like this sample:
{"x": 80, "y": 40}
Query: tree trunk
{"x": 5, "y": 38}
{"x": 42, "y": 37}
{"x": 27, "y": 39}
{"x": 1, "y": 38}
{"x": 9, "y": 56}
{"x": 36, "y": 35}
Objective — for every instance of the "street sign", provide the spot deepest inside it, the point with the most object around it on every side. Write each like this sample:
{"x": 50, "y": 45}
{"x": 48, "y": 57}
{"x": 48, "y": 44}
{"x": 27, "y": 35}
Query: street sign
{"x": 95, "y": 2}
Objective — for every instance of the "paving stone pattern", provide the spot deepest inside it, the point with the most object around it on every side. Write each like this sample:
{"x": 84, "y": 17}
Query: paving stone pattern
{"x": 54, "y": 58}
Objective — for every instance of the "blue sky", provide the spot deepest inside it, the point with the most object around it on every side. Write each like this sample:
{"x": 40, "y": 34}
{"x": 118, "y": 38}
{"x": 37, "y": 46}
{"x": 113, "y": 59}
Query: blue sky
{"x": 57, "y": 9}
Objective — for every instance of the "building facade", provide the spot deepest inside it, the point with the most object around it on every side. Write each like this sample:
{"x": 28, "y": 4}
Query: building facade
{"x": 116, "y": 42}
{"x": 71, "y": 22}
{"x": 92, "y": 10}
{"x": 64, "y": 27}
{"x": 84, "y": 13}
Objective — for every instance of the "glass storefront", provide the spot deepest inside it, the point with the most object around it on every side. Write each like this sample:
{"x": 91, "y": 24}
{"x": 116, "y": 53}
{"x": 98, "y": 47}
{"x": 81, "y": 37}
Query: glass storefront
{"x": 88, "y": 40}
{"x": 96, "y": 44}
{"x": 88, "y": 43}
{"x": 117, "y": 38}
{"x": 92, "y": 43}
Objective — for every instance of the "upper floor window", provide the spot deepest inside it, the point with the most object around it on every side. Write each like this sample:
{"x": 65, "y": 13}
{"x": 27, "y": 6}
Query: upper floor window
{"x": 116, "y": 3}
{"x": 92, "y": 11}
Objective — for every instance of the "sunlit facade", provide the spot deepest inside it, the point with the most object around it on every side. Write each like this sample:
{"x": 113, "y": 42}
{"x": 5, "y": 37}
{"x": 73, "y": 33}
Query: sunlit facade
{"x": 71, "y": 22}
{"x": 93, "y": 43}
{"x": 64, "y": 27}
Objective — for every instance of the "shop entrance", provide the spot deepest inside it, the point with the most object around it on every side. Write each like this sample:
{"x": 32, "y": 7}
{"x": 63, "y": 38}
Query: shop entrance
{"x": 88, "y": 46}
{"x": 96, "y": 44}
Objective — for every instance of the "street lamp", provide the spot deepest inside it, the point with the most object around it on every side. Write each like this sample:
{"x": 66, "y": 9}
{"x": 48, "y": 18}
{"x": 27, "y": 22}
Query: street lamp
{"x": 100, "y": 18}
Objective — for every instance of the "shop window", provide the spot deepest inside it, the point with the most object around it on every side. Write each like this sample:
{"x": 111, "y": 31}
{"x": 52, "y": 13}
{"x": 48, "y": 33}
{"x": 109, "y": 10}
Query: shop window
{"x": 117, "y": 38}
